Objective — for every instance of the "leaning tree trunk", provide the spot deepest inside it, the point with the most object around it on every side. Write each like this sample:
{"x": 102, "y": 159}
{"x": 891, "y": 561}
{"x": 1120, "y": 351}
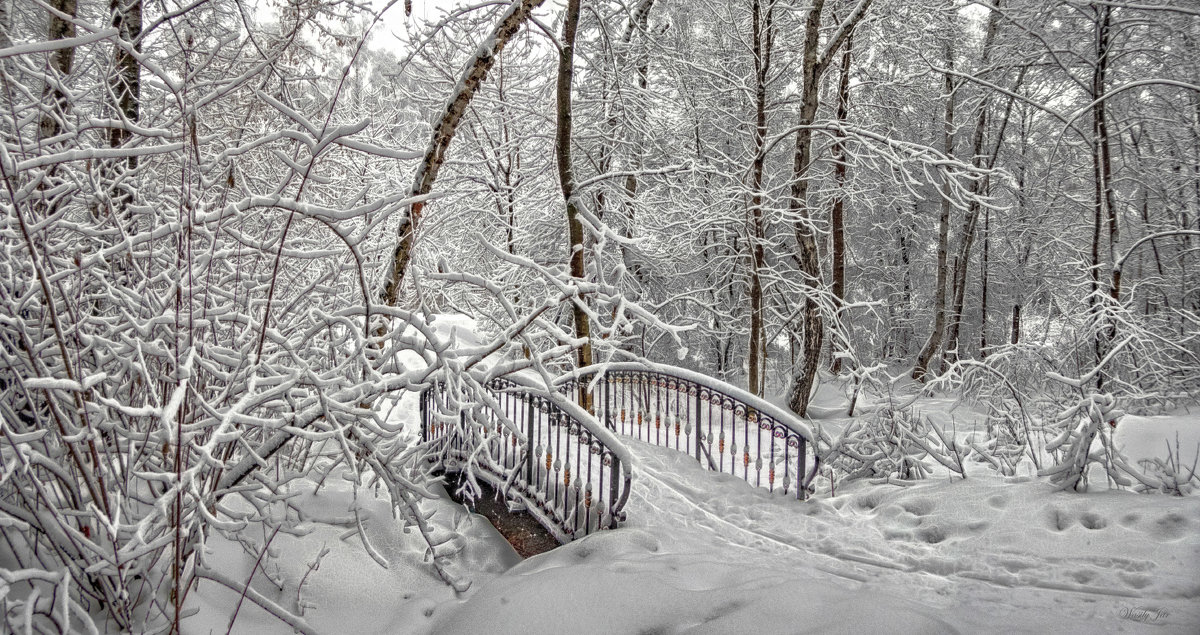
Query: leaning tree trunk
{"x": 566, "y": 179}
{"x": 443, "y": 133}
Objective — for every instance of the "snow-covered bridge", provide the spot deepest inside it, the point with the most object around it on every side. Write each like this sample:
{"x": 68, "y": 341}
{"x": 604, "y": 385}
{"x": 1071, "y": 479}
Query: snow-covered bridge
{"x": 560, "y": 454}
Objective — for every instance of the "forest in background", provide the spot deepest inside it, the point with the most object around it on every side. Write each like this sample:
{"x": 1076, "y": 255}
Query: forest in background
{"x": 228, "y": 231}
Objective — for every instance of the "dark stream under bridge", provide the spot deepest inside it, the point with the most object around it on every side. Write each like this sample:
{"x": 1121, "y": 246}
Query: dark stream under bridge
{"x": 560, "y": 453}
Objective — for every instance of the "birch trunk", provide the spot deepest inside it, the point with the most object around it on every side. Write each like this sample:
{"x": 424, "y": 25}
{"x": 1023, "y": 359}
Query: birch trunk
{"x": 443, "y": 133}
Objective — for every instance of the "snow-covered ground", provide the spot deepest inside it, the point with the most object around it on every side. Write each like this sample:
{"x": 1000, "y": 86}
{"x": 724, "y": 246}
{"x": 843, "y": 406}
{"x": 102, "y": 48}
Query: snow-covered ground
{"x": 708, "y": 553}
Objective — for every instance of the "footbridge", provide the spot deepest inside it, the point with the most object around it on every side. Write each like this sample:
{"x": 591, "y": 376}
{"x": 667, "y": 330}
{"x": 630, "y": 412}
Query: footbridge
{"x": 561, "y": 453}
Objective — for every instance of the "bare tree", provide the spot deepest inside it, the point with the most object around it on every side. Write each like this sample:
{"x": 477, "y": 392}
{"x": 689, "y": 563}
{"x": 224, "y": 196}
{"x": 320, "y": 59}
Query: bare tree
{"x": 816, "y": 61}
{"x": 443, "y": 133}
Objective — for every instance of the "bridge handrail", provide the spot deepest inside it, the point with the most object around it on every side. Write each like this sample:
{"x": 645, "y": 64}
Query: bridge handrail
{"x": 545, "y": 414}
{"x": 750, "y": 400}
{"x": 725, "y": 428}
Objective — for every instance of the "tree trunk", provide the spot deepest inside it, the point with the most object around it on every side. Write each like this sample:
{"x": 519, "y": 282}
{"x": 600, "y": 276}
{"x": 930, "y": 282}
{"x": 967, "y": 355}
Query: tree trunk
{"x": 125, "y": 89}
{"x": 566, "y": 179}
{"x": 1104, "y": 207}
{"x": 60, "y": 65}
{"x": 762, "y": 38}
{"x": 815, "y": 63}
{"x": 983, "y": 282}
{"x": 939, "y": 298}
{"x": 962, "y": 258}
{"x": 837, "y": 220}
{"x": 443, "y": 133}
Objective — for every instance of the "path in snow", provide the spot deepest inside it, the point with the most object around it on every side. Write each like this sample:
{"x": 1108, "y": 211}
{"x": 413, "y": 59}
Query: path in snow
{"x": 993, "y": 545}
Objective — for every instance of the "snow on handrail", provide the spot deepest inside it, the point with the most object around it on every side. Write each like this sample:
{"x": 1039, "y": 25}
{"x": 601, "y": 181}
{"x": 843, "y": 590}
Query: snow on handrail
{"x": 537, "y": 447}
{"x": 785, "y": 417}
{"x": 724, "y": 428}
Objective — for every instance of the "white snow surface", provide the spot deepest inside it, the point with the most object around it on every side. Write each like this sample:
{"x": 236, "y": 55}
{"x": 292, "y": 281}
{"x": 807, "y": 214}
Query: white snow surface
{"x": 708, "y": 553}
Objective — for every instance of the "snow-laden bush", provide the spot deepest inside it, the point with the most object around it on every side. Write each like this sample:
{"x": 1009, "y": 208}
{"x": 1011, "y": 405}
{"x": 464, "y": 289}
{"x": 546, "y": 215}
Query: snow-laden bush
{"x": 891, "y": 445}
{"x": 184, "y": 323}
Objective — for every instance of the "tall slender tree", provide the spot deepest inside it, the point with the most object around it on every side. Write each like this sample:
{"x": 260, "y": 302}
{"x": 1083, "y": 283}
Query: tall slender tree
{"x": 815, "y": 62}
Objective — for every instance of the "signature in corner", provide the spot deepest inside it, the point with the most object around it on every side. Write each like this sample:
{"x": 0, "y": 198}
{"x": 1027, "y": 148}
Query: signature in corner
{"x": 1144, "y": 614}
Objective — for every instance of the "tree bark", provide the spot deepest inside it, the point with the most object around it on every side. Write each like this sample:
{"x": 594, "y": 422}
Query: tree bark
{"x": 837, "y": 220}
{"x": 762, "y": 38}
{"x": 443, "y": 133}
{"x": 1105, "y": 213}
{"x": 814, "y": 65}
{"x": 566, "y": 179}
{"x": 983, "y": 282}
{"x": 962, "y": 258}
{"x": 939, "y": 298}
{"x": 125, "y": 90}
{"x": 60, "y": 66}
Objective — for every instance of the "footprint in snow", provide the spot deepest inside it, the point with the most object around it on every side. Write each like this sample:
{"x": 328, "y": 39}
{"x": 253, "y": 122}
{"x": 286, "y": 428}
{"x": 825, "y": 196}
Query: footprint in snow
{"x": 918, "y": 507}
{"x": 1058, "y": 519}
{"x": 1171, "y": 527}
{"x": 1093, "y": 521}
{"x": 1135, "y": 580}
{"x": 931, "y": 534}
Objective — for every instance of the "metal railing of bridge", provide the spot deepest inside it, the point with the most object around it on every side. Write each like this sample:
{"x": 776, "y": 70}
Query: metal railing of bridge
{"x": 724, "y": 428}
{"x": 569, "y": 471}
{"x": 556, "y": 452}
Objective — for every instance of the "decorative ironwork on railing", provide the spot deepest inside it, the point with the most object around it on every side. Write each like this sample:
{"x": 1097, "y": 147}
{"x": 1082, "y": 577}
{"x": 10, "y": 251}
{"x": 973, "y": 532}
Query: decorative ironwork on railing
{"x": 568, "y": 467}
{"x": 724, "y": 428}
{"x": 570, "y": 472}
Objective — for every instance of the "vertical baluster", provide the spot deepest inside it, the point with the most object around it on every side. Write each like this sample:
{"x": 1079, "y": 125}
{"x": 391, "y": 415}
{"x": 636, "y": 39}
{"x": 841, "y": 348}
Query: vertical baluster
{"x": 638, "y": 402}
{"x": 746, "y": 444}
{"x": 605, "y": 414}
{"x": 508, "y": 437}
{"x": 771, "y": 465}
{"x": 721, "y": 440}
{"x": 801, "y": 469}
{"x": 587, "y": 495}
{"x": 758, "y": 459}
{"x": 566, "y": 473}
{"x": 709, "y": 437}
{"x": 556, "y": 441}
{"x": 602, "y": 504}
{"x": 658, "y": 412}
{"x": 787, "y": 464}
{"x": 613, "y": 491}
{"x": 679, "y": 414}
{"x": 529, "y": 443}
{"x": 695, "y": 421}
{"x": 579, "y": 449}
